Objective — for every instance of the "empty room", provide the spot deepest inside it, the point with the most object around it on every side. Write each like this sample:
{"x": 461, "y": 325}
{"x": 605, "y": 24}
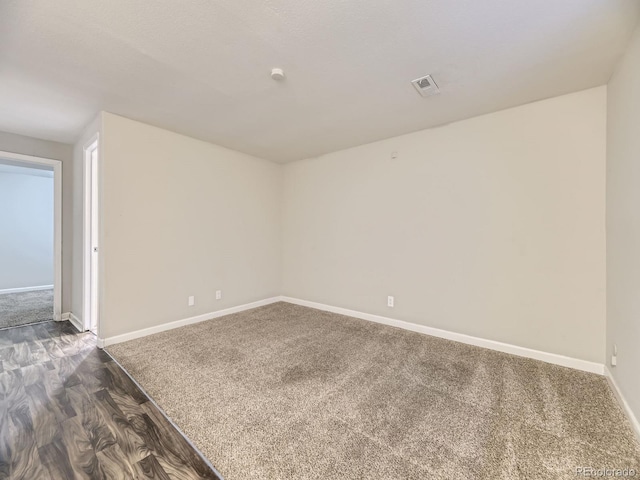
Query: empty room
{"x": 282, "y": 240}
{"x": 26, "y": 244}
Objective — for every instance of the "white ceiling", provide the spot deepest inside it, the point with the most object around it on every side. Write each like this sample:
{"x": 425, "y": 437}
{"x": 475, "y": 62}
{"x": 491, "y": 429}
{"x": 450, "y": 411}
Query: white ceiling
{"x": 202, "y": 67}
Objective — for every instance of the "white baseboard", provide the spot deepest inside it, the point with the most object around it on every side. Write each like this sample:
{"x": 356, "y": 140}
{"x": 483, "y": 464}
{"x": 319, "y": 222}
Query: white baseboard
{"x": 26, "y": 289}
{"x": 104, "y": 342}
{"x": 75, "y": 321}
{"x": 554, "y": 358}
{"x": 64, "y": 316}
{"x": 623, "y": 402}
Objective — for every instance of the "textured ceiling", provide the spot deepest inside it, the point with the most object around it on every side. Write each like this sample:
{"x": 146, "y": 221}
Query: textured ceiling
{"x": 202, "y": 67}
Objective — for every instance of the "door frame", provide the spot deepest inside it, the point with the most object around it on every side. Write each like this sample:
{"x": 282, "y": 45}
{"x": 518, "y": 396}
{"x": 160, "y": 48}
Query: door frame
{"x": 90, "y": 290}
{"x": 30, "y": 160}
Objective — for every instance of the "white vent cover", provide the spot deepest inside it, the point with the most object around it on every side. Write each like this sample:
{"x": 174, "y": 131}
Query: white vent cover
{"x": 426, "y": 86}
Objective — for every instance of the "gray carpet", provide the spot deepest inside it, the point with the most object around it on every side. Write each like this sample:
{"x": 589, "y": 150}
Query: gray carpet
{"x": 26, "y": 307}
{"x": 288, "y": 392}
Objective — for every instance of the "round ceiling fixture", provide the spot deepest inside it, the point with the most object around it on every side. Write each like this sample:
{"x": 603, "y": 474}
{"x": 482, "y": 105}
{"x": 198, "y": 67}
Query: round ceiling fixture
{"x": 277, "y": 74}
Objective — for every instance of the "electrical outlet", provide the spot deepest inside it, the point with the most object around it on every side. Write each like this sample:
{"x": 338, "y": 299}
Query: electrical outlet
{"x": 390, "y": 301}
{"x": 218, "y": 294}
{"x": 192, "y": 301}
{"x": 614, "y": 360}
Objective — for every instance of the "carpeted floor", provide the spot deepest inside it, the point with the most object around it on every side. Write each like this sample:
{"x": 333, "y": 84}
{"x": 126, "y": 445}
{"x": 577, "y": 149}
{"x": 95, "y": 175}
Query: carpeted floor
{"x": 26, "y": 307}
{"x": 288, "y": 392}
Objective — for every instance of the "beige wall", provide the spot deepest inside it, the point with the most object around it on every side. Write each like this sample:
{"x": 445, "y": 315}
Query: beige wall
{"x": 493, "y": 227}
{"x": 10, "y": 142}
{"x": 623, "y": 223}
{"x": 182, "y": 217}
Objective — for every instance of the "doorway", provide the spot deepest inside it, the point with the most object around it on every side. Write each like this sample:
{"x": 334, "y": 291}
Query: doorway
{"x": 91, "y": 234}
{"x": 30, "y": 239}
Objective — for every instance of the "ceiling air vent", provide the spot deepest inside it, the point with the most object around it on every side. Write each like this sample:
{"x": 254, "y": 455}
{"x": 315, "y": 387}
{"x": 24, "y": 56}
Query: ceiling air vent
{"x": 426, "y": 86}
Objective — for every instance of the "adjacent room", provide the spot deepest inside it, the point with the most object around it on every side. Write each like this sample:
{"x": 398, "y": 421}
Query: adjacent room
{"x": 26, "y": 244}
{"x": 281, "y": 240}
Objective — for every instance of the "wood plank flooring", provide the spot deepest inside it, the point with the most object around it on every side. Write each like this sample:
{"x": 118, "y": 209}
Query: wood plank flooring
{"x": 68, "y": 411}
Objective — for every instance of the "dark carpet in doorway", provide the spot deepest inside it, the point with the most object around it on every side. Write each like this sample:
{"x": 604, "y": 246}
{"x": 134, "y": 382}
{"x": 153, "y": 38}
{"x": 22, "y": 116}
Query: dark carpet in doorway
{"x": 26, "y": 307}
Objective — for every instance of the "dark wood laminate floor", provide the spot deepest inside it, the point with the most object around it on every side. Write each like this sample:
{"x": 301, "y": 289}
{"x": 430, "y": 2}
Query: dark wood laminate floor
{"x": 68, "y": 411}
